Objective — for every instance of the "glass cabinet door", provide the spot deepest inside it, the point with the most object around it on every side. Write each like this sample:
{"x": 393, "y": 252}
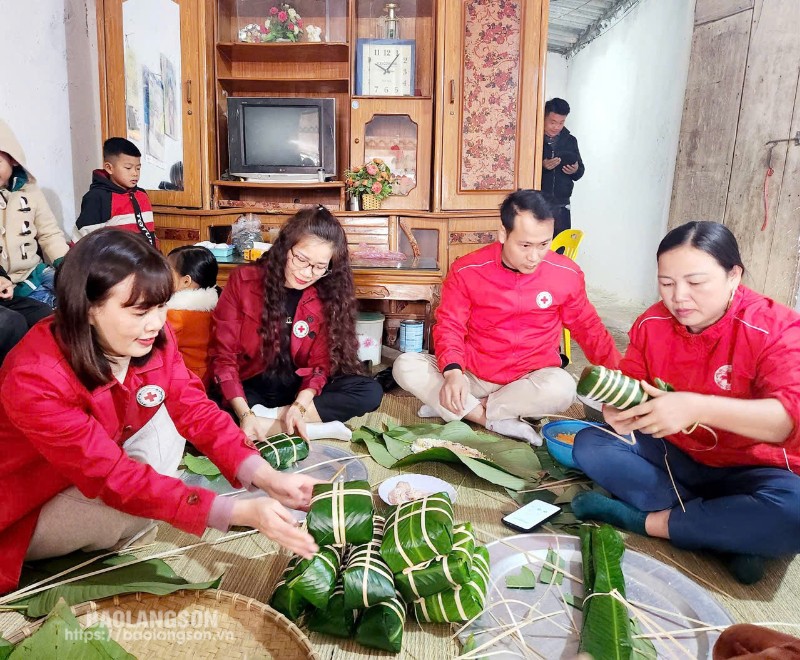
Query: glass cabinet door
{"x": 152, "y": 90}
{"x": 399, "y": 134}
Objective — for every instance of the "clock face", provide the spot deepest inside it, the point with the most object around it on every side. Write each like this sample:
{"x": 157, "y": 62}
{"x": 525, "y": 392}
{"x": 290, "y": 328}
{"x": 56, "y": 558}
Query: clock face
{"x": 385, "y": 67}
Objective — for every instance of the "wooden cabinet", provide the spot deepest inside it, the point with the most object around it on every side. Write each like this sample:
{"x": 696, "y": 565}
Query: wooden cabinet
{"x": 461, "y": 125}
{"x": 152, "y": 79}
{"x": 398, "y": 131}
{"x": 489, "y": 100}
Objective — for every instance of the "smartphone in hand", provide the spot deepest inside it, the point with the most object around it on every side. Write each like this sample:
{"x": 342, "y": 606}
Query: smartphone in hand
{"x": 529, "y": 516}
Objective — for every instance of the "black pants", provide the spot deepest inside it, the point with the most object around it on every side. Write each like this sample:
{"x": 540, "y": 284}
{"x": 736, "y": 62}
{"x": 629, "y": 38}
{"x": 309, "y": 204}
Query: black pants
{"x": 563, "y": 219}
{"x": 16, "y": 317}
{"x": 342, "y": 397}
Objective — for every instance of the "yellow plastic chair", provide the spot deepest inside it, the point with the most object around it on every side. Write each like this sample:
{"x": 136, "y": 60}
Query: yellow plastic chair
{"x": 569, "y": 239}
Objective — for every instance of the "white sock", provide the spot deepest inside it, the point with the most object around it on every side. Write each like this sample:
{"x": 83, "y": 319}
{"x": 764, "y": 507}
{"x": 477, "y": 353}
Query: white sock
{"x": 427, "y": 411}
{"x": 515, "y": 428}
{"x": 263, "y": 411}
{"x": 328, "y": 431}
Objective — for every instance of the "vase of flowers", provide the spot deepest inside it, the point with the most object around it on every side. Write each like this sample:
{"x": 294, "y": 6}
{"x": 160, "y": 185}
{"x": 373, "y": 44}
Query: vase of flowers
{"x": 372, "y": 182}
{"x": 282, "y": 23}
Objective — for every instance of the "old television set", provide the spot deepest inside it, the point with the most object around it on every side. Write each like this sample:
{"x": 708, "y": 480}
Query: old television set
{"x": 286, "y": 140}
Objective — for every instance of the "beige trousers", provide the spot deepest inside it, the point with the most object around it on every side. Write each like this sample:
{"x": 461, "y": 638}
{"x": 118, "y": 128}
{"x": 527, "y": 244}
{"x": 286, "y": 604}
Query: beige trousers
{"x": 72, "y": 521}
{"x": 545, "y": 391}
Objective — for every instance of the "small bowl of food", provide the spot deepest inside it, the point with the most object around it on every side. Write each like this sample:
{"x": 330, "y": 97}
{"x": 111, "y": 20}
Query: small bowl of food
{"x": 409, "y": 487}
{"x": 560, "y": 436}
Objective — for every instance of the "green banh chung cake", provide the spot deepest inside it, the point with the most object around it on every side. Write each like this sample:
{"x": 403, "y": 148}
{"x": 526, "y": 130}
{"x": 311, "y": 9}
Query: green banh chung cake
{"x": 367, "y": 579}
{"x": 341, "y": 513}
{"x": 615, "y": 388}
{"x": 369, "y": 572}
{"x": 441, "y": 573}
{"x": 282, "y": 451}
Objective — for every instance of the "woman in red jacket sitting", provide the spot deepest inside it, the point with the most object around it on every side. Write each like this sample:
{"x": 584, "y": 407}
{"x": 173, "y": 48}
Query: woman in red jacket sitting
{"x": 284, "y": 336}
{"x": 716, "y": 463}
{"x": 94, "y": 406}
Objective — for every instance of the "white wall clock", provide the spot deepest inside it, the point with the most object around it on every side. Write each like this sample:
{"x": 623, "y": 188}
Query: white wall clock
{"x": 385, "y": 67}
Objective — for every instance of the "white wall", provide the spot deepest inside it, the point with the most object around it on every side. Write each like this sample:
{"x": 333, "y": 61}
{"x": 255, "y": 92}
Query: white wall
{"x": 49, "y": 95}
{"x": 626, "y": 92}
{"x": 556, "y": 76}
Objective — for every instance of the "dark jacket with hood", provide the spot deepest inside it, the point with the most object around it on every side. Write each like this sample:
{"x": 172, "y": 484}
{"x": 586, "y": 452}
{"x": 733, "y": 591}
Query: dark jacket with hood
{"x": 556, "y": 185}
{"x": 109, "y": 205}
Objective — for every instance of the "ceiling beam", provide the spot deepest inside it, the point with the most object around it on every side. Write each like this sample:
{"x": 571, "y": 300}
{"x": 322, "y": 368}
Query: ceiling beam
{"x": 616, "y": 11}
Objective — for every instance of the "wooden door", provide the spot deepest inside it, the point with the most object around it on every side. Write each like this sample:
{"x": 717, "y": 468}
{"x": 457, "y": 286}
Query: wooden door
{"x": 397, "y": 130}
{"x": 489, "y": 100}
{"x": 150, "y": 59}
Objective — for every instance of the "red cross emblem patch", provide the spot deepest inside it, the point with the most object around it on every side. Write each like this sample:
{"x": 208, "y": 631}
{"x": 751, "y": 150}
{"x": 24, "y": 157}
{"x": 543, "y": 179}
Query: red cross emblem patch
{"x": 150, "y": 396}
{"x": 300, "y": 329}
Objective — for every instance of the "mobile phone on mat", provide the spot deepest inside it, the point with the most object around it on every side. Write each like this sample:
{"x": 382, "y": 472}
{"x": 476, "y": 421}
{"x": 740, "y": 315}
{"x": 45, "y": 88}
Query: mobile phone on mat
{"x": 527, "y": 517}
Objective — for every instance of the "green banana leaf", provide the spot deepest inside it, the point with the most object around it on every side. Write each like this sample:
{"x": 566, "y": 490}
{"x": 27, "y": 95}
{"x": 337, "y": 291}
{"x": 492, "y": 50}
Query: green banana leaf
{"x": 282, "y": 451}
{"x": 367, "y": 579}
{"x": 550, "y": 575}
{"x": 287, "y": 601}
{"x": 505, "y": 462}
{"x": 340, "y": 513}
{"x": 62, "y": 636}
{"x": 381, "y": 626}
{"x": 643, "y": 648}
{"x": 606, "y": 631}
{"x": 315, "y": 579}
{"x": 6, "y": 648}
{"x": 153, "y": 577}
{"x": 335, "y": 618}
{"x": 461, "y": 603}
{"x": 443, "y": 572}
{"x": 418, "y": 531}
{"x": 200, "y": 465}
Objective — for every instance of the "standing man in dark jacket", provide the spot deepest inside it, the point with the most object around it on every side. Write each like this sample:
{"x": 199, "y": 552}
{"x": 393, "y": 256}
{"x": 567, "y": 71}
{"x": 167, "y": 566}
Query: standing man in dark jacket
{"x": 562, "y": 163}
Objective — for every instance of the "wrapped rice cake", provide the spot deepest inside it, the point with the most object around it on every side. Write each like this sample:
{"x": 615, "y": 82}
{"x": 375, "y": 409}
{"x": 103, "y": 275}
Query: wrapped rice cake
{"x": 288, "y": 602}
{"x": 335, "y": 619}
{"x": 367, "y": 578}
{"x": 418, "y": 531}
{"x": 461, "y": 603}
{"x": 341, "y": 513}
{"x": 381, "y": 626}
{"x": 315, "y": 579}
{"x": 282, "y": 451}
{"x": 441, "y": 573}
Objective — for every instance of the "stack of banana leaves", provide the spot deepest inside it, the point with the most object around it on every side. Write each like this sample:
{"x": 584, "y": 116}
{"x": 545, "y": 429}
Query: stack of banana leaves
{"x": 502, "y": 461}
{"x": 417, "y": 557}
{"x": 524, "y": 471}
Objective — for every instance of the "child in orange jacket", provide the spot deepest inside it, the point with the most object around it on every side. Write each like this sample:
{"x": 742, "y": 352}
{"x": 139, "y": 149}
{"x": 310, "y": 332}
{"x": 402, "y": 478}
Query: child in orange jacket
{"x": 189, "y": 310}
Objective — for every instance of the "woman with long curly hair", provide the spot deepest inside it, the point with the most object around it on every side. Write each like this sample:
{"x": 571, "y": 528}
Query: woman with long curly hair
{"x": 284, "y": 336}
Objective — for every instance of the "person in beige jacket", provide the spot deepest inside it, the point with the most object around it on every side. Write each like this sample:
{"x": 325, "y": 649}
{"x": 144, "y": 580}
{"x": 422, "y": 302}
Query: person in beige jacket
{"x": 27, "y": 225}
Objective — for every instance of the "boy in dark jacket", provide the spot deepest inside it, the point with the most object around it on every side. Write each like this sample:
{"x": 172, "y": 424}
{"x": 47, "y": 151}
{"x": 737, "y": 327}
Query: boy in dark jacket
{"x": 562, "y": 163}
{"x": 113, "y": 199}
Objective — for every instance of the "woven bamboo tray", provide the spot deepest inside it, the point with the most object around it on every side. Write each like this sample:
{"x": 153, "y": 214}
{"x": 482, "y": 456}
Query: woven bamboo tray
{"x": 193, "y": 624}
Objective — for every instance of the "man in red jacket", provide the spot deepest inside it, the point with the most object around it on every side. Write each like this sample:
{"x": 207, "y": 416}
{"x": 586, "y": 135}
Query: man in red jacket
{"x": 498, "y": 329}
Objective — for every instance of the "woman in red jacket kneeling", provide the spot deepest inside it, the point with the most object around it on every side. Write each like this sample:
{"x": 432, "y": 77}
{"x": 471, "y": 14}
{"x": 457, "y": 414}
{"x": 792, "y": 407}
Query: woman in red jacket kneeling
{"x": 716, "y": 463}
{"x": 284, "y": 336}
{"x": 95, "y": 404}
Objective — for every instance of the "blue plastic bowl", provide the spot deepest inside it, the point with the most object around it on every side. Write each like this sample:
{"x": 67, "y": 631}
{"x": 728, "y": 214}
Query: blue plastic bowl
{"x": 561, "y": 451}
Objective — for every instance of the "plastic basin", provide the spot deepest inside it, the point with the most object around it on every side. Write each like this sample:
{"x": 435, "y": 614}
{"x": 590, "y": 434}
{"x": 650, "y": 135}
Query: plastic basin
{"x": 562, "y": 451}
